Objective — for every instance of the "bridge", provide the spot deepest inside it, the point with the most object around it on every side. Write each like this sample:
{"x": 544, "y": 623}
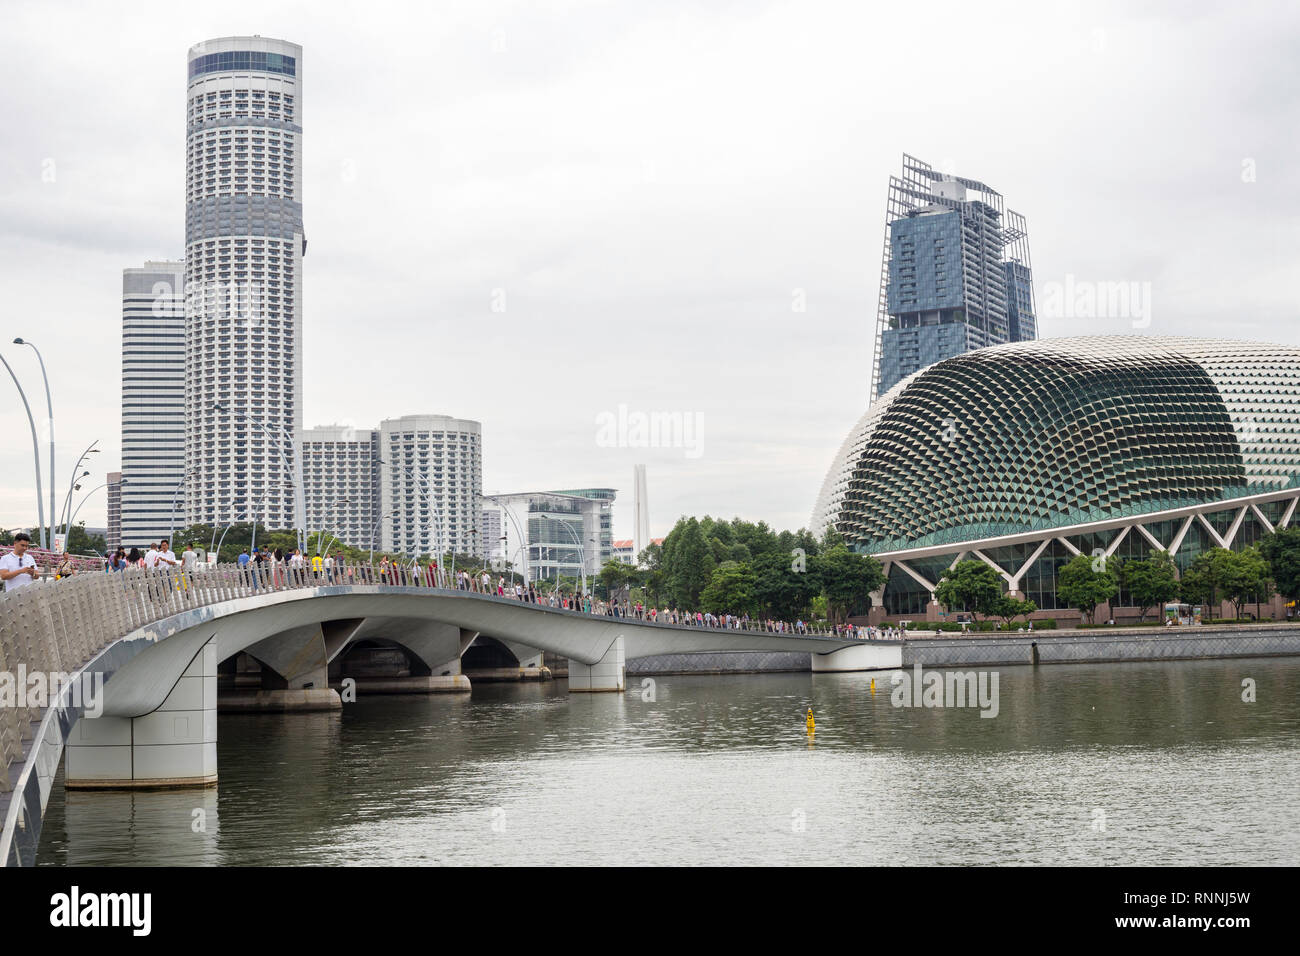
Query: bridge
{"x": 136, "y": 654}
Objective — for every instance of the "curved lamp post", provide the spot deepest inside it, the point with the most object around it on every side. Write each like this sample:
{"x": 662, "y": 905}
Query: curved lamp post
{"x": 49, "y": 411}
{"x": 36, "y": 454}
{"x": 67, "y": 503}
{"x": 292, "y": 472}
{"x": 72, "y": 523}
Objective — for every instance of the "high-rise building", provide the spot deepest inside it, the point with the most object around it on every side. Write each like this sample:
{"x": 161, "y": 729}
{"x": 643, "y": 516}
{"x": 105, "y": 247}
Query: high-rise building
{"x": 956, "y": 274}
{"x": 244, "y": 245}
{"x": 641, "y": 513}
{"x": 603, "y": 546}
{"x": 564, "y": 532}
{"x": 153, "y": 402}
{"x": 113, "y": 534}
{"x": 341, "y": 484}
{"x": 431, "y": 479}
{"x": 491, "y": 534}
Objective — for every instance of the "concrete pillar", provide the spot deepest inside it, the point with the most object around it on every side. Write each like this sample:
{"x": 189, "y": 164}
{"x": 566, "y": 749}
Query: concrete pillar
{"x": 862, "y": 657}
{"x": 175, "y": 746}
{"x": 294, "y": 675}
{"x": 607, "y": 674}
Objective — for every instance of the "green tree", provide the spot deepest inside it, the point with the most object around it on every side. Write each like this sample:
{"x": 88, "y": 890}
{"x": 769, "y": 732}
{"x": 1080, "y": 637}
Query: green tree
{"x": 1008, "y": 608}
{"x": 730, "y": 590}
{"x": 687, "y": 563}
{"x": 1245, "y": 578}
{"x": 847, "y": 581}
{"x": 785, "y": 584}
{"x": 1149, "y": 582}
{"x": 613, "y": 578}
{"x": 1206, "y": 577}
{"x": 970, "y": 585}
{"x": 1085, "y": 581}
{"x": 1281, "y": 550}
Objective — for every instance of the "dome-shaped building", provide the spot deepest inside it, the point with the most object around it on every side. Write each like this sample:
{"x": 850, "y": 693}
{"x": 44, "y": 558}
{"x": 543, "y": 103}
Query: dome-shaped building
{"x": 1025, "y": 454}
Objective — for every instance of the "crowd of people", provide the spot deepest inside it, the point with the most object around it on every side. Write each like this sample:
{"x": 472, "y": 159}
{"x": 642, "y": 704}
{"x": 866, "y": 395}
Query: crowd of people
{"x": 276, "y": 568}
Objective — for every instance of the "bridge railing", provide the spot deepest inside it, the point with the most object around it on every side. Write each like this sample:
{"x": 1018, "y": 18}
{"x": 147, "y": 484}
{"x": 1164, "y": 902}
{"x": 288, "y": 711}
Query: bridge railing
{"x": 51, "y": 628}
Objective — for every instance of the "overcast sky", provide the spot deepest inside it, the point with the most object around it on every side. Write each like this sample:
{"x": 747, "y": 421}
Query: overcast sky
{"x": 656, "y": 188}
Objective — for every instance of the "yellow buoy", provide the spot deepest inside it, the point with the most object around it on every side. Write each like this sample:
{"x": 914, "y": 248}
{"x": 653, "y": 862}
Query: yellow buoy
{"x": 811, "y": 724}
{"x": 873, "y": 687}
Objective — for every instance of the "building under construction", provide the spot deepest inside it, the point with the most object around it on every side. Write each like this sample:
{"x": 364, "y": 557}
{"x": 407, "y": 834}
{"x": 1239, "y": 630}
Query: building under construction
{"x": 955, "y": 275}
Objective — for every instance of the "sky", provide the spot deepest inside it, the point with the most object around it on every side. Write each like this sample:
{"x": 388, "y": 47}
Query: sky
{"x": 556, "y": 216}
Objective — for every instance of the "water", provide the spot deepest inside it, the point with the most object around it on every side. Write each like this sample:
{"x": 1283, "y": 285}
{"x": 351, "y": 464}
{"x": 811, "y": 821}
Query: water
{"x": 1157, "y": 763}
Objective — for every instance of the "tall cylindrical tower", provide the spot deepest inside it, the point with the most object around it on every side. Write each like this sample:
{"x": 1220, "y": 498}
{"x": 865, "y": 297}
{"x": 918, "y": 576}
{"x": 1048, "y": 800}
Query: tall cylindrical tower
{"x": 244, "y": 245}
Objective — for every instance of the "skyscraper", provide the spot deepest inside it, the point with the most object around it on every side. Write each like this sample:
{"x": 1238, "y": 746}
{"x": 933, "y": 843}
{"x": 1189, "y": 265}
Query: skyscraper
{"x": 341, "y": 484}
{"x": 430, "y": 481}
{"x": 153, "y": 402}
{"x": 113, "y": 536}
{"x": 243, "y": 280}
{"x": 955, "y": 276}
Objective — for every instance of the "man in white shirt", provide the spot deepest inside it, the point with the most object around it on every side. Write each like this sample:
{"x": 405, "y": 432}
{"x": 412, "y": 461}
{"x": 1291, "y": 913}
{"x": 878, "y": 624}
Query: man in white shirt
{"x": 190, "y": 558}
{"x": 18, "y": 568}
{"x": 151, "y": 556}
{"x": 164, "y": 557}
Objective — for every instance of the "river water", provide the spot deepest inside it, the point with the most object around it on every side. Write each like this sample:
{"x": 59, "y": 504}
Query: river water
{"x": 1093, "y": 764}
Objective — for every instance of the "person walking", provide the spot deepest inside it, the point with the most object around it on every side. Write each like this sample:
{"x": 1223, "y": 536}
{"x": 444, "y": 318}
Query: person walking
{"x": 18, "y": 568}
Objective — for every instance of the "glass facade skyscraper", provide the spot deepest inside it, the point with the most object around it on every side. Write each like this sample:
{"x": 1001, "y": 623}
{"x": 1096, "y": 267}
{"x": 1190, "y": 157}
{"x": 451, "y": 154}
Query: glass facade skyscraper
{"x": 955, "y": 276}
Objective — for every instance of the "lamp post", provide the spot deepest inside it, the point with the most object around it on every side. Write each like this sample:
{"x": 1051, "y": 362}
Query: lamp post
{"x": 36, "y": 454}
{"x": 292, "y": 472}
{"x": 509, "y": 512}
{"x": 422, "y": 483}
{"x": 72, "y": 522}
{"x": 176, "y": 492}
{"x": 49, "y": 411}
{"x": 67, "y": 503}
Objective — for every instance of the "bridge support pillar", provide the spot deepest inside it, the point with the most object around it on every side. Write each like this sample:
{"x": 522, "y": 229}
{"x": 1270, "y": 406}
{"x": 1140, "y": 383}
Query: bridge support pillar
{"x": 607, "y": 674}
{"x": 175, "y": 746}
{"x": 862, "y": 657}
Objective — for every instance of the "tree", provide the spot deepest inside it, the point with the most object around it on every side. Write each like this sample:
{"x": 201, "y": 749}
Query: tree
{"x": 1245, "y": 578}
{"x": 1205, "y": 578}
{"x": 687, "y": 563}
{"x": 1149, "y": 582}
{"x": 1281, "y": 550}
{"x": 1085, "y": 581}
{"x": 1008, "y": 608}
{"x": 785, "y": 584}
{"x": 614, "y": 577}
{"x": 730, "y": 590}
{"x": 970, "y": 585}
{"x": 847, "y": 580}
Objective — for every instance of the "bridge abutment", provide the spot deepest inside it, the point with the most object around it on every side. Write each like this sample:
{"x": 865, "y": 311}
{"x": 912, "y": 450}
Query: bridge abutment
{"x": 861, "y": 657}
{"x": 607, "y": 674}
{"x": 175, "y": 746}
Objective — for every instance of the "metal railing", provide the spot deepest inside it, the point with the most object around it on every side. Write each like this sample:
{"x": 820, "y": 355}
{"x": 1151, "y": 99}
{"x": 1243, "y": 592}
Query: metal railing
{"x": 56, "y": 627}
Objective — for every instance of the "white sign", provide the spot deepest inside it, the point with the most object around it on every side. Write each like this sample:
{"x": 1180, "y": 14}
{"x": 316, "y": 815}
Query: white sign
{"x": 60, "y": 542}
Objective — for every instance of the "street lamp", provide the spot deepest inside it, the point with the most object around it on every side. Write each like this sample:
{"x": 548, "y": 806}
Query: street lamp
{"x": 509, "y": 512}
{"x": 293, "y": 472}
{"x": 67, "y": 504}
{"x": 72, "y": 522}
{"x": 36, "y": 454}
{"x": 422, "y": 483}
{"x": 184, "y": 478}
{"x": 49, "y": 411}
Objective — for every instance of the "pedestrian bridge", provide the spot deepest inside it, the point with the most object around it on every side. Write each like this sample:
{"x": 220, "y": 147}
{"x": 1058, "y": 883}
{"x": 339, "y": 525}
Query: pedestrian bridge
{"x": 136, "y": 653}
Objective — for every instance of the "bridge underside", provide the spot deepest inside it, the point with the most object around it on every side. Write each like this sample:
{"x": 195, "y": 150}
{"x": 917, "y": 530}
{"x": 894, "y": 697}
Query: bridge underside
{"x": 315, "y": 648}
